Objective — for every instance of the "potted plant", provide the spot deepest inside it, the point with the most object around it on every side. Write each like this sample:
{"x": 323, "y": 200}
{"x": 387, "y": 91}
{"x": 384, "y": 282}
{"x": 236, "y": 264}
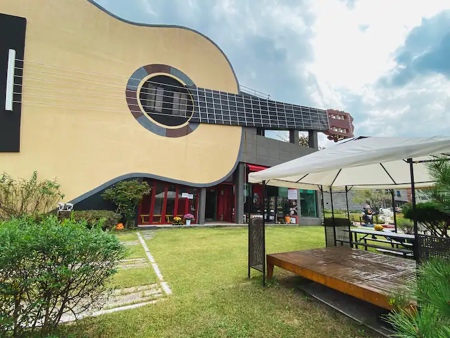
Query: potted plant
{"x": 177, "y": 221}
{"x": 188, "y": 218}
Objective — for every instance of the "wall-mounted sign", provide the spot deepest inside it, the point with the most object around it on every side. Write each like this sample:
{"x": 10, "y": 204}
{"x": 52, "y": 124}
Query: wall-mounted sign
{"x": 292, "y": 194}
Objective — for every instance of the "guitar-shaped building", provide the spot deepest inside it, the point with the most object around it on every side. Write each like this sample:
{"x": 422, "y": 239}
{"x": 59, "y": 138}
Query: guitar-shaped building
{"x": 91, "y": 99}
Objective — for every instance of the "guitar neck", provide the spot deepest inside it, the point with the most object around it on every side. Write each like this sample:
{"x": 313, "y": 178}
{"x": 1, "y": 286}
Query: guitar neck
{"x": 246, "y": 110}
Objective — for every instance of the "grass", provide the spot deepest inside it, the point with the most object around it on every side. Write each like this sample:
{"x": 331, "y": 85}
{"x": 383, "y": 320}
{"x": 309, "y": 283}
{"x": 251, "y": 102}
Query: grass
{"x": 133, "y": 276}
{"x": 206, "y": 269}
{"x": 127, "y": 278}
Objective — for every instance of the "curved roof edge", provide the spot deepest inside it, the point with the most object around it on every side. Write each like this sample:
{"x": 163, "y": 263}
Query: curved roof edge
{"x": 169, "y": 26}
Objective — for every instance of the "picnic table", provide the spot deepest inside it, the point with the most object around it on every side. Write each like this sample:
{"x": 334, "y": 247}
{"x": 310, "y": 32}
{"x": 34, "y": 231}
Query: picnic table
{"x": 401, "y": 244}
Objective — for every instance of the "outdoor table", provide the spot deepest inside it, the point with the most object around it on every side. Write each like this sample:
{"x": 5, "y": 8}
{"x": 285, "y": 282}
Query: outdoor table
{"x": 392, "y": 238}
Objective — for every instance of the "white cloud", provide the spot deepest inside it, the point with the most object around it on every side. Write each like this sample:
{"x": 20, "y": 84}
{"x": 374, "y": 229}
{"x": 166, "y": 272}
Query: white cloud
{"x": 319, "y": 52}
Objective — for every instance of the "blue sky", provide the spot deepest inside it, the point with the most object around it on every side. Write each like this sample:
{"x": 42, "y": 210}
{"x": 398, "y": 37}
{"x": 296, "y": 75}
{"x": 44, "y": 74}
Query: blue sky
{"x": 385, "y": 62}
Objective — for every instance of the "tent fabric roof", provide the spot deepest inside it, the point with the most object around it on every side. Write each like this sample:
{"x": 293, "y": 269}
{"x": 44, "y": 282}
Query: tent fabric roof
{"x": 361, "y": 163}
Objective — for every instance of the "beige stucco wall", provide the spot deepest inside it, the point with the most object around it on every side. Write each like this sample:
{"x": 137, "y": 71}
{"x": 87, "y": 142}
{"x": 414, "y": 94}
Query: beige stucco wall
{"x": 76, "y": 124}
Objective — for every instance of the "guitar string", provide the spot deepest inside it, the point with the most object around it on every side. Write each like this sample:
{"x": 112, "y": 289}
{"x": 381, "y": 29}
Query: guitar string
{"x": 264, "y": 113}
{"x": 189, "y": 89}
{"x": 91, "y": 108}
{"x": 200, "y": 97}
{"x": 269, "y": 111}
{"x": 183, "y": 101}
{"x": 139, "y": 79}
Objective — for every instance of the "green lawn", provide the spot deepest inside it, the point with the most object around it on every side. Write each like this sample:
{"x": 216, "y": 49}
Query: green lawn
{"x": 206, "y": 268}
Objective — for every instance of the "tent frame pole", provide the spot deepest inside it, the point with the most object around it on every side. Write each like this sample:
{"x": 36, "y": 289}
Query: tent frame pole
{"x": 264, "y": 234}
{"x": 393, "y": 210}
{"x": 322, "y": 201}
{"x": 413, "y": 202}
{"x": 332, "y": 216}
{"x": 348, "y": 216}
{"x": 250, "y": 207}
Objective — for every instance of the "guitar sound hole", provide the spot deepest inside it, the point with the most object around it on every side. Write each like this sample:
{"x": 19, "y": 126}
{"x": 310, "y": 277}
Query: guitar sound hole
{"x": 166, "y": 100}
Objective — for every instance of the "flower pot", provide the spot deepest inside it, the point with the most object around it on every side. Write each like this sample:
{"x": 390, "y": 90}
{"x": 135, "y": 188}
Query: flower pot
{"x": 188, "y": 222}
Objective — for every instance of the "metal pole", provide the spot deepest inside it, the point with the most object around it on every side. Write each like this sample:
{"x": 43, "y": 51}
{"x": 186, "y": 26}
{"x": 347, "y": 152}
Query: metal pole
{"x": 264, "y": 235}
{"x": 348, "y": 216}
{"x": 413, "y": 202}
{"x": 346, "y": 202}
{"x": 249, "y": 226}
{"x": 332, "y": 215}
{"x": 323, "y": 213}
{"x": 393, "y": 210}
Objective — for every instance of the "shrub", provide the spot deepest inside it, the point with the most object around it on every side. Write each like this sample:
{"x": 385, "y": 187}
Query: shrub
{"x": 106, "y": 219}
{"x": 126, "y": 195}
{"x": 431, "y": 216}
{"x": 49, "y": 269}
{"x": 432, "y": 292}
{"x": 406, "y": 225}
{"x": 27, "y": 197}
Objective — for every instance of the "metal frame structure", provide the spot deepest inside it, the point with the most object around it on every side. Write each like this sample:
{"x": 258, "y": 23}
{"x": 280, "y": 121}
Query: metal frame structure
{"x": 424, "y": 248}
{"x": 257, "y": 241}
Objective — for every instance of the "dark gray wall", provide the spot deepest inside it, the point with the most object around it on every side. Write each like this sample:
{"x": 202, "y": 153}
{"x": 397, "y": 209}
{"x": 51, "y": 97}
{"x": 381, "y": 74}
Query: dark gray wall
{"x": 269, "y": 152}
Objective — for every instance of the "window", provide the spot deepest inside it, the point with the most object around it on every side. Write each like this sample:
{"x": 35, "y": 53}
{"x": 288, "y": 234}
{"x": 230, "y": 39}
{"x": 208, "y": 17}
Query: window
{"x": 308, "y": 204}
{"x": 166, "y": 100}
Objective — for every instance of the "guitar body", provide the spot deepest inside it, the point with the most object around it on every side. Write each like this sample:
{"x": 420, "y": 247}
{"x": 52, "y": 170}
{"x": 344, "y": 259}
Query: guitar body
{"x": 76, "y": 123}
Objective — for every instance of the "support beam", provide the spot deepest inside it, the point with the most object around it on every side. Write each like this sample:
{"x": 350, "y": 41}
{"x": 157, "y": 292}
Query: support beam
{"x": 202, "y": 206}
{"x": 293, "y": 136}
{"x": 240, "y": 193}
{"x": 313, "y": 139}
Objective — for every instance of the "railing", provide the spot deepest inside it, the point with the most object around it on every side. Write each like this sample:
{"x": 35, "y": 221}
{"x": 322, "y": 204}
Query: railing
{"x": 337, "y": 231}
{"x": 433, "y": 247}
{"x": 254, "y": 92}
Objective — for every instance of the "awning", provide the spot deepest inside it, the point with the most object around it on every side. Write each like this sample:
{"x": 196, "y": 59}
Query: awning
{"x": 361, "y": 163}
{"x": 255, "y": 168}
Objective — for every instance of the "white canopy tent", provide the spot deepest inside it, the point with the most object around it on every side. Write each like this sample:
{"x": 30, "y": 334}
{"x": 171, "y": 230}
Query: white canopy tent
{"x": 360, "y": 163}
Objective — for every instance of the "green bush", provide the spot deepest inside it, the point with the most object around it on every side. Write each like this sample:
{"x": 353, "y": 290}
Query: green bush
{"x": 431, "y": 216}
{"x": 20, "y": 197}
{"x": 406, "y": 225}
{"x": 106, "y": 219}
{"x": 126, "y": 195}
{"x": 432, "y": 292}
{"x": 52, "y": 268}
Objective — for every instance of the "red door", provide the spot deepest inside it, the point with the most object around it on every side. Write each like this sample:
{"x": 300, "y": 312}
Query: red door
{"x": 225, "y": 203}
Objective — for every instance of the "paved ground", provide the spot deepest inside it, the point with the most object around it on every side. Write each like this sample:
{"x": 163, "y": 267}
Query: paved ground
{"x": 132, "y": 297}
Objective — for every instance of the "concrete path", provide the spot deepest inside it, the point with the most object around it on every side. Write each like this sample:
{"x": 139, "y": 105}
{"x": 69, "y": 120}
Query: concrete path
{"x": 133, "y": 297}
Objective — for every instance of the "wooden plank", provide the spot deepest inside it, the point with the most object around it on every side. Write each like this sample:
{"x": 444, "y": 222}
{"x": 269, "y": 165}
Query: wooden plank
{"x": 362, "y": 274}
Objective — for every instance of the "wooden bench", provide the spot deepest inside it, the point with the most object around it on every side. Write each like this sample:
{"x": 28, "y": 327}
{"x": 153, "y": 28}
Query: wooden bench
{"x": 392, "y": 242}
{"x": 399, "y": 252}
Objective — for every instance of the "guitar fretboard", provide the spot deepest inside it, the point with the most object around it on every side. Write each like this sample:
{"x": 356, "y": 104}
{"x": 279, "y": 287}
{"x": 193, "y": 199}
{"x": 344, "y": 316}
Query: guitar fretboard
{"x": 246, "y": 110}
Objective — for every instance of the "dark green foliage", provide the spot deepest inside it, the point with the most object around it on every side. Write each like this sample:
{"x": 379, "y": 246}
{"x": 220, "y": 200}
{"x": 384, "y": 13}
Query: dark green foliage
{"x": 406, "y": 225}
{"x": 126, "y": 195}
{"x": 106, "y": 219}
{"x": 50, "y": 268}
{"x": 433, "y": 295}
{"x": 431, "y": 216}
{"x": 440, "y": 171}
{"x": 20, "y": 197}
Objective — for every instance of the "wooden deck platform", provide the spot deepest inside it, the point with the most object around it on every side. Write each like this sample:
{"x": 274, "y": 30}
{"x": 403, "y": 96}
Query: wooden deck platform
{"x": 366, "y": 275}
